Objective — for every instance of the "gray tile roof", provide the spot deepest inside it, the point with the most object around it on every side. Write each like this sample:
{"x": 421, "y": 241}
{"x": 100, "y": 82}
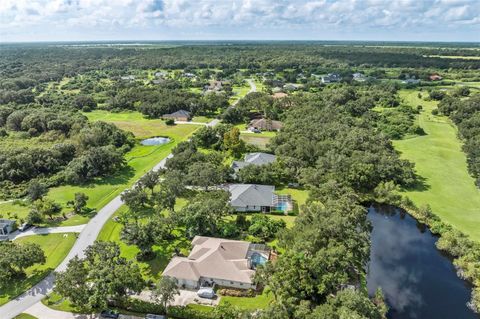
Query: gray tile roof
{"x": 254, "y": 159}
{"x": 242, "y": 195}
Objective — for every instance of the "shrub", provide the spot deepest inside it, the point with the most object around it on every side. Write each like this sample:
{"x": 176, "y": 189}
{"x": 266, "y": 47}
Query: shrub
{"x": 170, "y": 121}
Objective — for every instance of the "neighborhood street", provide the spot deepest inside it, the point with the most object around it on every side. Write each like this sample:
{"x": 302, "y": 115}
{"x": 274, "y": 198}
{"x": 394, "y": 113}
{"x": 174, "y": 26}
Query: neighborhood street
{"x": 86, "y": 238}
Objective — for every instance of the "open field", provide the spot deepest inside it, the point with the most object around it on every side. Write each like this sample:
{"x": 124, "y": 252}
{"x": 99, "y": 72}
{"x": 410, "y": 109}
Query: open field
{"x": 140, "y": 160}
{"x": 439, "y": 161}
{"x": 55, "y": 246}
{"x": 239, "y": 92}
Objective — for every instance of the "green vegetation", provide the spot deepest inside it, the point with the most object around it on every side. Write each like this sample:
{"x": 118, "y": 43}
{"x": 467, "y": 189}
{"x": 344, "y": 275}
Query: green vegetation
{"x": 55, "y": 246}
{"x": 444, "y": 183}
{"x": 25, "y": 316}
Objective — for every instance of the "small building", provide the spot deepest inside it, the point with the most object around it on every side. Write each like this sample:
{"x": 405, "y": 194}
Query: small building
{"x": 258, "y": 198}
{"x": 6, "y": 227}
{"x": 257, "y": 159}
{"x": 279, "y": 95}
{"x": 359, "y": 77}
{"x": 265, "y": 125}
{"x": 331, "y": 78}
{"x": 161, "y": 74}
{"x": 411, "y": 80}
{"x": 435, "y": 77}
{"x": 128, "y": 78}
{"x": 217, "y": 261}
{"x": 180, "y": 115}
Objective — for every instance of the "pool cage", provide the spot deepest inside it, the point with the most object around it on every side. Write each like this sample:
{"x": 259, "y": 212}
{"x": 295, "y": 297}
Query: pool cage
{"x": 282, "y": 203}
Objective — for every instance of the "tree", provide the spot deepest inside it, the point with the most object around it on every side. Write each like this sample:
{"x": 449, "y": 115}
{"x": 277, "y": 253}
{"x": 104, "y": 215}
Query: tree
{"x": 46, "y": 207}
{"x": 265, "y": 227}
{"x": 102, "y": 276}
{"x": 204, "y": 213}
{"x": 165, "y": 291}
{"x": 79, "y": 202}
{"x": 149, "y": 180}
{"x": 205, "y": 174}
{"x": 233, "y": 143}
{"x": 135, "y": 198}
{"x": 36, "y": 190}
{"x": 15, "y": 257}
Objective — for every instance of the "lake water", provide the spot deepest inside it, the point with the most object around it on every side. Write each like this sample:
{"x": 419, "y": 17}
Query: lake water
{"x": 417, "y": 279}
{"x": 155, "y": 141}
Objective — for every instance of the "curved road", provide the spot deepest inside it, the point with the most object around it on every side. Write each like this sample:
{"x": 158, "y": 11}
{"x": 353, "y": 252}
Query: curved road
{"x": 86, "y": 238}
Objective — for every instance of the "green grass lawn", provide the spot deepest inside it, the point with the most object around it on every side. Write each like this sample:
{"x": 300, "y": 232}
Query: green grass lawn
{"x": 239, "y": 92}
{"x": 56, "y": 248}
{"x": 140, "y": 160}
{"x": 250, "y": 303}
{"x": 25, "y": 316}
{"x": 447, "y": 187}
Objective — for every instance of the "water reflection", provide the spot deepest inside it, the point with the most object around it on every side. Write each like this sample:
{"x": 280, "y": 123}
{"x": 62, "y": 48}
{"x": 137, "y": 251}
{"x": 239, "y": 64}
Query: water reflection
{"x": 417, "y": 280}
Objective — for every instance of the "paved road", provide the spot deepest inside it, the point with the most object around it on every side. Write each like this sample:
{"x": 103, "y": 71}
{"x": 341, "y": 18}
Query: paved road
{"x": 40, "y": 311}
{"x": 46, "y": 230}
{"x": 86, "y": 238}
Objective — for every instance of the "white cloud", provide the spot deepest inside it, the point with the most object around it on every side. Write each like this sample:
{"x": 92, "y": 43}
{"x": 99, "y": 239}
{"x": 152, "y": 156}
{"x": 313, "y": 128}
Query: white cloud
{"x": 195, "y": 16}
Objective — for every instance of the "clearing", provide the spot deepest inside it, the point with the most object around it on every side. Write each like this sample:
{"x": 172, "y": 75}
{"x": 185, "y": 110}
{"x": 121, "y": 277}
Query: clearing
{"x": 447, "y": 186}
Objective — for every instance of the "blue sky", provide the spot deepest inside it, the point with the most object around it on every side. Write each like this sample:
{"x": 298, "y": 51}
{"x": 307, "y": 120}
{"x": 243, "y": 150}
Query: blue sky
{"x": 394, "y": 20}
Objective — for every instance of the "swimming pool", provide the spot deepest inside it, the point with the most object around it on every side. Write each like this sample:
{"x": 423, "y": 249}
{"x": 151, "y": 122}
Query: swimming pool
{"x": 258, "y": 259}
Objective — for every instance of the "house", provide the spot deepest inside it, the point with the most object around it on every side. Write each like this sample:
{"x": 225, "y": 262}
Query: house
{"x": 331, "y": 78}
{"x": 128, "y": 78}
{"x": 359, "y": 77}
{"x": 189, "y": 75}
{"x": 279, "y": 95}
{"x": 223, "y": 262}
{"x": 265, "y": 125}
{"x": 291, "y": 87}
{"x": 161, "y": 74}
{"x": 276, "y": 89}
{"x": 258, "y": 198}
{"x": 253, "y": 159}
{"x": 180, "y": 115}
{"x": 435, "y": 77}
{"x": 214, "y": 86}
{"x": 411, "y": 80}
{"x": 6, "y": 227}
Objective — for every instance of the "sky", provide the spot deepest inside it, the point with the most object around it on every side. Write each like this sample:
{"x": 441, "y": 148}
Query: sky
{"x": 97, "y": 20}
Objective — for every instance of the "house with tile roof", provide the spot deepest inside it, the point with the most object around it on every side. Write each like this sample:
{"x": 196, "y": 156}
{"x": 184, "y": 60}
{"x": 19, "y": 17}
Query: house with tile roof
{"x": 223, "y": 262}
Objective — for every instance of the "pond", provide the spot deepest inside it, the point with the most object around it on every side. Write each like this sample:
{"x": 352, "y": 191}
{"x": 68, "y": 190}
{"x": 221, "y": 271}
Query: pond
{"x": 417, "y": 279}
{"x": 159, "y": 140}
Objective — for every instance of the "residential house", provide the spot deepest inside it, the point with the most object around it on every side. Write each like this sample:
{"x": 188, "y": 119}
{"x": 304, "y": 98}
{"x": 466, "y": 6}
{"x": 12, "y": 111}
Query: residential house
{"x": 180, "y": 115}
{"x": 331, "y": 78}
{"x": 279, "y": 95}
{"x": 214, "y": 86}
{"x": 435, "y": 77}
{"x": 223, "y": 262}
{"x": 359, "y": 77}
{"x": 291, "y": 86}
{"x": 6, "y": 227}
{"x": 276, "y": 89}
{"x": 265, "y": 125}
{"x": 258, "y": 198}
{"x": 411, "y": 80}
{"x": 128, "y": 78}
{"x": 257, "y": 159}
{"x": 161, "y": 74}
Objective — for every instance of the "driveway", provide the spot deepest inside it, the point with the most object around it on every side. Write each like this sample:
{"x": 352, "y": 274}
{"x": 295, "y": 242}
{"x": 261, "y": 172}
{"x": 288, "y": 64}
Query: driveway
{"x": 41, "y": 311}
{"x": 86, "y": 238}
{"x": 185, "y": 297}
{"x": 46, "y": 230}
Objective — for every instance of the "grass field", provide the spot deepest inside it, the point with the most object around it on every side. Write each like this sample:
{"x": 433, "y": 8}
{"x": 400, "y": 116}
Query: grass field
{"x": 439, "y": 161}
{"x": 25, "y": 316}
{"x": 55, "y": 246}
{"x": 140, "y": 159}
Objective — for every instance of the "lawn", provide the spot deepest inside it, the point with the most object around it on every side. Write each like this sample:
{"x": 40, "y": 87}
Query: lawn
{"x": 250, "y": 303}
{"x": 239, "y": 92}
{"x": 55, "y": 246}
{"x": 439, "y": 161}
{"x": 25, "y": 316}
{"x": 140, "y": 160}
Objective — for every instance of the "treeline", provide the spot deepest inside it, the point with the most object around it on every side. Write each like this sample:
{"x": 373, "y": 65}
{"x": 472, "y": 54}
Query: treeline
{"x": 465, "y": 113}
{"x": 54, "y": 147}
{"x": 44, "y": 63}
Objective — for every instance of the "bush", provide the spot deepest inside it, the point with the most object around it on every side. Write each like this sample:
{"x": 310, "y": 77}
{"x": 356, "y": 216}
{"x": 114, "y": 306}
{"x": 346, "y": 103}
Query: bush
{"x": 34, "y": 217}
{"x": 170, "y": 122}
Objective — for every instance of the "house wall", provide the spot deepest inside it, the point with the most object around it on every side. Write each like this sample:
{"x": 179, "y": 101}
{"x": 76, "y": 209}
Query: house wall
{"x": 251, "y": 208}
{"x": 228, "y": 283}
{"x": 188, "y": 284}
